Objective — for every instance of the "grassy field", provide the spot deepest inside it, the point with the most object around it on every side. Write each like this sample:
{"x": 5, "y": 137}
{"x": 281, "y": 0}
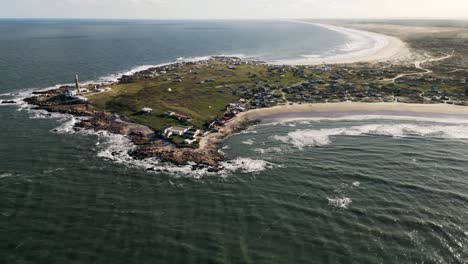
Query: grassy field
{"x": 187, "y": 91}
{"x": 203, "y": 102}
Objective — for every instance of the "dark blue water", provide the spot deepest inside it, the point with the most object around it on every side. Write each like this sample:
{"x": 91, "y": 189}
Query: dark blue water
{"x": 362, "y": 191}
{"x": 46, "y": 52}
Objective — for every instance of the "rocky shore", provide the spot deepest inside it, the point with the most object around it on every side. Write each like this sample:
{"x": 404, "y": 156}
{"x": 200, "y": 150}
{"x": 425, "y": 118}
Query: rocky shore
{"x": 235, "y": 93}
{"x": 147, "y": 142}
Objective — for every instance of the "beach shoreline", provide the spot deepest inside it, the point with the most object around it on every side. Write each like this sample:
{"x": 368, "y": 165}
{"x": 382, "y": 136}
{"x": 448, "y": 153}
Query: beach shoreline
{"x": 385, "y": 48}
{"x": 329, "y": 89}
{"x": 245, "y": 119}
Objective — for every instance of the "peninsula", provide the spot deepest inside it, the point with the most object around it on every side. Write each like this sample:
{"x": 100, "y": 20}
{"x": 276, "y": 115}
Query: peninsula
{"x": 181, "y": 112}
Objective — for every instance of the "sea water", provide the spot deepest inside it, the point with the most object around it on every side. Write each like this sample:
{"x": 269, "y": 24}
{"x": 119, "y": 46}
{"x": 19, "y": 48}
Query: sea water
{"x": 354, "y": 188}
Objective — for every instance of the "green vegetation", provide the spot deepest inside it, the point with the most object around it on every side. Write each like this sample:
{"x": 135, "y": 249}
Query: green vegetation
{"x": 201, "y": 91}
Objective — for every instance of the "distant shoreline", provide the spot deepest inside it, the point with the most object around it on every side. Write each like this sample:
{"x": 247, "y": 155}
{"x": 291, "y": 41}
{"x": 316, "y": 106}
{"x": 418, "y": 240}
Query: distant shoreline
{"x": 285, "y": 83}
{"x": 385, "y": 48}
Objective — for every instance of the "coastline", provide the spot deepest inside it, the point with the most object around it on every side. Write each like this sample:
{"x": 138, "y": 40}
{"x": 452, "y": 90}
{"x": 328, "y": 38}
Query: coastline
{"x": 396, "y": 107}
{"x": 244, "y": 119}
{"x": 384, "y": 48}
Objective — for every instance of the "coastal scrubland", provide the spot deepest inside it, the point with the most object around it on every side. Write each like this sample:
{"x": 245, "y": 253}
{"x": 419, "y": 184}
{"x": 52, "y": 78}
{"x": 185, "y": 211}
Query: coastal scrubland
{"x": 436, "y": 73}
{"x": 199, "y": 90}
{"x": 215, "y": 91}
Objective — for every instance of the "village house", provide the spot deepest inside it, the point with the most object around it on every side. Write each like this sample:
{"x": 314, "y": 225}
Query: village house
{"x": 179, "y": 116}
{"x": 102, "y": 89}
{"x": 71, "y": 94}
{"x": 175, "y": 131}
{"x": 146, "y": 110}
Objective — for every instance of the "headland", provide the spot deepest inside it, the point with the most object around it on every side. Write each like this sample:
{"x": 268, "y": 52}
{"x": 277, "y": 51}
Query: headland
{"x": 181, "y": 112}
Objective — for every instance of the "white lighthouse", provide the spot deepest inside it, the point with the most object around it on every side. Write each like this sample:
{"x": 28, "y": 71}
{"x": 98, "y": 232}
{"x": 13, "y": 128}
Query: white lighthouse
{"x": 77, "y": 84}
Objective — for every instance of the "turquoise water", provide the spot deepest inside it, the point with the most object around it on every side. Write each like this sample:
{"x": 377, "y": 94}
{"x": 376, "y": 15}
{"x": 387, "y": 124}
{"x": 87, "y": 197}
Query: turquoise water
{"x": 344, "y": 190}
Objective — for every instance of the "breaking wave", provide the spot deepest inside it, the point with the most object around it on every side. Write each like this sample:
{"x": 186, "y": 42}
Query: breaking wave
{"x": 116, "y": 148}
{"x": 361, "y": 44}
{"x": 248, "y": 142}
{"x": 313, "y": 138}
{"x": 293, "y": 121}
{"x": 269, "y": 150}
{"x": 338, "y": 202}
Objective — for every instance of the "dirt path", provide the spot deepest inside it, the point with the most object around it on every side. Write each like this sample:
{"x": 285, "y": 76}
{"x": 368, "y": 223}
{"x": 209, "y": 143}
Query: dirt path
{"x": 283, "y": 95}
{"x": 418, "y": 65}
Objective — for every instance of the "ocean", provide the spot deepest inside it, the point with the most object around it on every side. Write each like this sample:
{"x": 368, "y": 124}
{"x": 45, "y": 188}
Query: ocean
{"x": 347, "y": 188}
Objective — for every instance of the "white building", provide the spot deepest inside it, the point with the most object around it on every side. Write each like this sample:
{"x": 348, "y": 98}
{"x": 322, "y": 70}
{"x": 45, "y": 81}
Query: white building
{"x": 70, "y": 94}
{"x": 189, "y": 141}
{"x": 103, "y": 89}
{"x": 146, "y": 110}
{"x": 175, "y": 131}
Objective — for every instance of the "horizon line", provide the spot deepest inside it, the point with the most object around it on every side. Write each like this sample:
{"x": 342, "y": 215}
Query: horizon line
{"x": 227, "y": 19}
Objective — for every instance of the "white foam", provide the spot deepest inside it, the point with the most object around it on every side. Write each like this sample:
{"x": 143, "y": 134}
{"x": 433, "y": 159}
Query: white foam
{"x": 305, "y": 138}
{"x": 246, "y": 165}
{"x": 68, "y": 126}
{"x": 310, "y": 138}
{"x": 340, "y": 202}
{"x": 248, "y": 131}
{"x": 310, "y": 120}
{"x": 356, "y": 184}
{"x": 117, "y": 147}
{"x": 5, "y": 175}
{"x": 248, "y": 142}
{"x": 269, "y": 150}
{"x": 362, "y": 44}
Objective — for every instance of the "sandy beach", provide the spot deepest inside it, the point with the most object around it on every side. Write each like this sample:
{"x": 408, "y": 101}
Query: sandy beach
{"x": 244, "y": 119}
{"x": 364, "y": 46}
{"x": 446, "y": 109}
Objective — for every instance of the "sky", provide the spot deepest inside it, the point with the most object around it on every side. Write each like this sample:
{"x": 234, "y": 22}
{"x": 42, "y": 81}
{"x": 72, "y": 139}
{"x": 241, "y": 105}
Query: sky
{"x": 234, "y": 9}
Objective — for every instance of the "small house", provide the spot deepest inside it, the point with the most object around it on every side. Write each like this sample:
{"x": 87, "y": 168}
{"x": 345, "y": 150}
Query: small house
{"x": 175, "y": 131}
{"x": 146, "y": 110}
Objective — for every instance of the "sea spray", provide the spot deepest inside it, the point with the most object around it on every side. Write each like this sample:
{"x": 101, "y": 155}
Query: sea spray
{"x": 340, "y": 202}
{"x": 281, "y": 121}
{"x": 314, "y": 138}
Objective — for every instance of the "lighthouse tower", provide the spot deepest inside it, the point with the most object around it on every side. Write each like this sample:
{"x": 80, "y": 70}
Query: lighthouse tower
{"x": 77, "y": 83}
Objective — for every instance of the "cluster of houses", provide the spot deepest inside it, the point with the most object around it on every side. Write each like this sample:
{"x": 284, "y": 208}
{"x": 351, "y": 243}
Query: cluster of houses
{"x": 102, "y": 89}
{"x": 74, "y": 95}
{"x": 336, "y": 89}
{"x": 335, "y": 84}
{"x": 190, "y": 134}
{"x": 232, "y": 110}
{"x": 260, "y": 97}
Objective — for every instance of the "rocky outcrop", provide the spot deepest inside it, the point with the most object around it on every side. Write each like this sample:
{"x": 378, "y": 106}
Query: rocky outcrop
{"x": 8, "y": 102}
{"x": 148, "y": 145}
{"x": 178, "y": 156}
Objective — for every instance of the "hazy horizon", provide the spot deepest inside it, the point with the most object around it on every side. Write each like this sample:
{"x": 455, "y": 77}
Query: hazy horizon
{"x": 242, "y": 9}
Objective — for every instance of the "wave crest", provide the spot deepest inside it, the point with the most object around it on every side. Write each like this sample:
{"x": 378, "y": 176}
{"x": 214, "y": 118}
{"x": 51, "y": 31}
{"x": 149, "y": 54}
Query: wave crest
{"x": 313, "y": 138}
{"x": 343, "y": 202}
